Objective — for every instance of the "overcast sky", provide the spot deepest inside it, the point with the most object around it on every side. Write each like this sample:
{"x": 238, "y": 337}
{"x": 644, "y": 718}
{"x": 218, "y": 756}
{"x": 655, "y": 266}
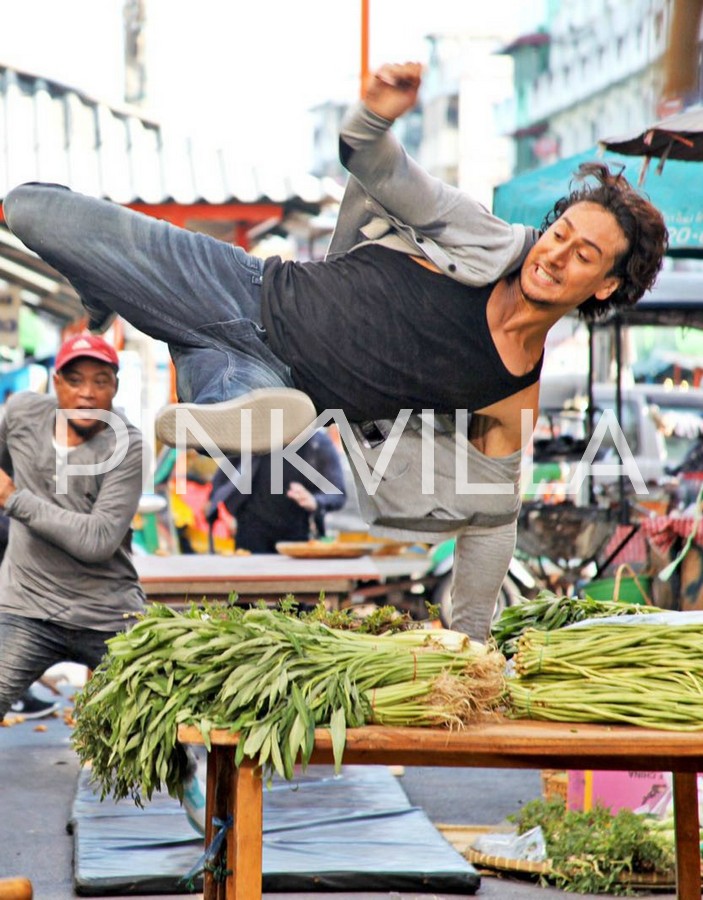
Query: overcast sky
{"x": 231, "y": 66}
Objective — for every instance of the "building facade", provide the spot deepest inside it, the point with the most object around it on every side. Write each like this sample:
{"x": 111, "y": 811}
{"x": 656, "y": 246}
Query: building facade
{"x": 452, "y": 131}
{"x": 584, "y": 70}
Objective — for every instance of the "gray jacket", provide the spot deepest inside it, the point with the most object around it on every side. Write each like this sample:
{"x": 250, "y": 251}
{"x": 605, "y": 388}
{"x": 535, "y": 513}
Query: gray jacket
{"x": 68, "y": 557}
{"x": 391, "y": 200}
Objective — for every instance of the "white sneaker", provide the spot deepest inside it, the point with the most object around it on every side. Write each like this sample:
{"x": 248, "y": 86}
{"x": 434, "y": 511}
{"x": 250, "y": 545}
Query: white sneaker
{"x": 275, "y": 414}
{"x": 194, "y": 802}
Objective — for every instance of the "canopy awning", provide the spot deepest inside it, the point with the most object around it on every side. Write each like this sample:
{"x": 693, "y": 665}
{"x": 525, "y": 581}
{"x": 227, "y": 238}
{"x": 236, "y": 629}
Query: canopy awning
{"x": 677, "y": 192}
{"x": 58, "y": 134}
{"x": 676, "y": 137}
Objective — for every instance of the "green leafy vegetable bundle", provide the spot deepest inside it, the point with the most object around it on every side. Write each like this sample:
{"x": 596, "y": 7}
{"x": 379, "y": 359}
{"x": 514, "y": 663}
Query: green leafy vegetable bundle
{"x": 271, "y": 676}
{"x": 548, "y": 611}
{"x": 638, "y": 672}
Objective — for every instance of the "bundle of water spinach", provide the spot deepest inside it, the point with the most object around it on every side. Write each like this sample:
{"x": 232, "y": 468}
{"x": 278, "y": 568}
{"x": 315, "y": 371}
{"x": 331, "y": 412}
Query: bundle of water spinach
{"x": 271, "y": 676}
{"x": 645, "y": 671}
{"x": 549, "y": 611}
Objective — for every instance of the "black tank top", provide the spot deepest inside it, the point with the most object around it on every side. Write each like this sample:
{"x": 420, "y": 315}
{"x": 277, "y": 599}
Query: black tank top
{"x": 373, "y": 332}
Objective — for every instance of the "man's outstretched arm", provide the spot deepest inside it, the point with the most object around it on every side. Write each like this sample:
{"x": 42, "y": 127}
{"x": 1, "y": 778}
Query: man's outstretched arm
{"x": 450, "y": 227}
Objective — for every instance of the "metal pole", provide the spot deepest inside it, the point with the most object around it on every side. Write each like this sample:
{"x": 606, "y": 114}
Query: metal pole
{"x": 590, "y": 401}
{"x": 624, "y": 512}
{"x": 364, "y": 72}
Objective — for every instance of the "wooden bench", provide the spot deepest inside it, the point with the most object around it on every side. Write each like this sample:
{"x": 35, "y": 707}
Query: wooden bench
{"x": 518, "y": 744}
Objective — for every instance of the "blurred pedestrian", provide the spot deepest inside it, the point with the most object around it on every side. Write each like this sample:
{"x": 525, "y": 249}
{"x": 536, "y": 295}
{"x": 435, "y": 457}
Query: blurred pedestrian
{"x": 266, "y": 515}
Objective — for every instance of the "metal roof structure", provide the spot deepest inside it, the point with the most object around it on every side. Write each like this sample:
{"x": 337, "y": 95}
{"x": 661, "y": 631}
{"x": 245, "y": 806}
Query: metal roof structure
{"x": 52, "y": 132}
{"x": 676, "y": 299}
{"x": 676, "y": 137}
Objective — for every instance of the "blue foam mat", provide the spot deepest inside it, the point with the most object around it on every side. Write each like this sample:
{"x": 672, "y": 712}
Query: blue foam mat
{"x": 352, "y": 832}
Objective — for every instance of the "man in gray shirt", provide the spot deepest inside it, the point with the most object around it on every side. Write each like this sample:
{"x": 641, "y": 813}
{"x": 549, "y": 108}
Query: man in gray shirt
{"x": 67, "y": 582}
{"x": 70, "y": 483}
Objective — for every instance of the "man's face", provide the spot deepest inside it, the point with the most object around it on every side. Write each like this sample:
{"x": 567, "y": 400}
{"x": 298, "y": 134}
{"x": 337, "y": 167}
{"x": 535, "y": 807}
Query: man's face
{"x": 571, "y": 260}
{"x": 85, "y": 384}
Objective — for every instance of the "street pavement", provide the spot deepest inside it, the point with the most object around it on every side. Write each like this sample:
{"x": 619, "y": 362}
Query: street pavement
{"x": 39, "y": 769}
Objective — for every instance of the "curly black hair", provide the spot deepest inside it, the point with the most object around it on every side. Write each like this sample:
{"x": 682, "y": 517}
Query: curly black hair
{"x": 641, "y": 223}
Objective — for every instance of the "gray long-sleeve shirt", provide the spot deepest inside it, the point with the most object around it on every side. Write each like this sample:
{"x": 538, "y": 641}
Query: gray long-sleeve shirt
{"x": 68, "y": 556}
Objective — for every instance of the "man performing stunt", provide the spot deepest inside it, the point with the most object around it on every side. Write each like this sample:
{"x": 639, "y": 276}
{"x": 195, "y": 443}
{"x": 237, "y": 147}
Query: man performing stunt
{"x": 425, "y": 302}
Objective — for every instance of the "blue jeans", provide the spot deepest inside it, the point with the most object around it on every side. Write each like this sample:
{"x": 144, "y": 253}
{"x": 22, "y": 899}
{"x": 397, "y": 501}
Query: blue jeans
{"x": 199, "y": 295}
{"x": 28, "y": 647}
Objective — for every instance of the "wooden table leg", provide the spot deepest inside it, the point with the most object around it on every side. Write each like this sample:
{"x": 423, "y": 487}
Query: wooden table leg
{"x": 220, "y": 778}
{"x": 688, "y": 853}
{"x": 245, "y": 848}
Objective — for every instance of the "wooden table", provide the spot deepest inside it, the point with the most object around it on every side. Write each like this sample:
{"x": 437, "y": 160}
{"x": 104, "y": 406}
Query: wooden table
{"x": 519, "y": 744}
{"x": 192, "y": 576}
{"x": 182, "y": 578}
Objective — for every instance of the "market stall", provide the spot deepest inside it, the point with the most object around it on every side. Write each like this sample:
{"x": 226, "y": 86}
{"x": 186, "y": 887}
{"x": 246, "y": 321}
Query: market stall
{"x": 591, "y": 686}
{"x": 191, "y": 577}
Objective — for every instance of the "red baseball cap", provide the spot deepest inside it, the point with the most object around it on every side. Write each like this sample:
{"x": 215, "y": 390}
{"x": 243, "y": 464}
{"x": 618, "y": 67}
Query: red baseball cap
{"x": 86, "y": 345}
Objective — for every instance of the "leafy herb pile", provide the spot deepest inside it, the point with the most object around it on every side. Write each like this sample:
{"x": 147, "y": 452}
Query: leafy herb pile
{"x": 547, "y": 612}
{"x": 273, "y": 676}
{"x": 595, "y": 852}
